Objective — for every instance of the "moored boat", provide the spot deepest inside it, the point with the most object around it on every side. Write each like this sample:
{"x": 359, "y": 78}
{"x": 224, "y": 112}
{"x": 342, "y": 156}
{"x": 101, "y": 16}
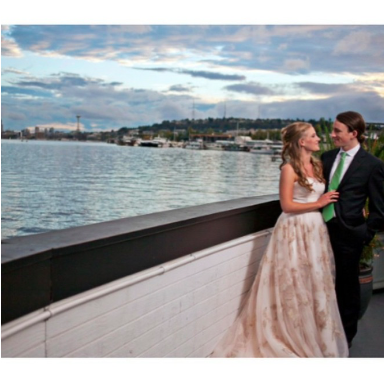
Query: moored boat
{"x": 198, "y": 144}
{"x": 214, "y": 146}
{"x": 157, "y": 142}
{"x": 265, "y": 147}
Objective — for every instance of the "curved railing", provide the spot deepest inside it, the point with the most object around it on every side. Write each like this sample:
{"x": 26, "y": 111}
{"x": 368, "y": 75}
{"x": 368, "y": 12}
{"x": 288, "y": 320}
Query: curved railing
{"x": 41, "y": 269}
{"x": 67, "y": 291}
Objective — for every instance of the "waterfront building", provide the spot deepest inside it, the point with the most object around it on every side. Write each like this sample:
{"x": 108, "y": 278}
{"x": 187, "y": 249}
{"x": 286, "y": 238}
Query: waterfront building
{"x": 211, "y": 138}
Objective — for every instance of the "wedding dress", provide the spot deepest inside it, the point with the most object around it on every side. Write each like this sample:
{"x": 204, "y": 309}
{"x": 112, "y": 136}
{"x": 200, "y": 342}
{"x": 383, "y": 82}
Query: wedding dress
{"x": 291, "y": 309}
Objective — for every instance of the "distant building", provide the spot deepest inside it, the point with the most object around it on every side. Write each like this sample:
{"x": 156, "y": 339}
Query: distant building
{"x": 39, "y": 134}
{"x": 211, "y": 138}
{"x": 241, "y": 131}
{"x": 94, "y": 136}
{"x": 375, "y": 125}
{"x": 133, "y": 132}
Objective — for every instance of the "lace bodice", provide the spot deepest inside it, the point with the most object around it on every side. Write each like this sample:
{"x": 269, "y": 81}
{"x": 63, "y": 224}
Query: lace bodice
{"x": 301, "y": 194}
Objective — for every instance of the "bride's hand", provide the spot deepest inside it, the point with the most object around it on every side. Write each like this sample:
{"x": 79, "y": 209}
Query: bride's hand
{"x": 328, "y": 198}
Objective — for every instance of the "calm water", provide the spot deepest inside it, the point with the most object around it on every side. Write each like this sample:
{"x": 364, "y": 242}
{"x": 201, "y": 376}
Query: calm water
{"x": 54, "y": 185}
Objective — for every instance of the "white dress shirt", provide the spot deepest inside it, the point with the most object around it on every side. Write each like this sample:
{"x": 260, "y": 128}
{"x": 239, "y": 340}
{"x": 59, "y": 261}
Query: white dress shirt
{"x": 348, "y": 160}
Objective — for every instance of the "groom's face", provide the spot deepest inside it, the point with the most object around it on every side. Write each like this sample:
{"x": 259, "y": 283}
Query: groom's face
{"x": 342, "y": 137}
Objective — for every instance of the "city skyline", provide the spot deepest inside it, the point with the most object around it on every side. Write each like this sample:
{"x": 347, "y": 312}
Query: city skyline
{"x": 135, "y": 75}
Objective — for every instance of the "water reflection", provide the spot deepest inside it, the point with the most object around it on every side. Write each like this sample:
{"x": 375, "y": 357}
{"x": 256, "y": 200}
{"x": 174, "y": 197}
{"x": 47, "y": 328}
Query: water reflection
{"x": 54, "y": 185}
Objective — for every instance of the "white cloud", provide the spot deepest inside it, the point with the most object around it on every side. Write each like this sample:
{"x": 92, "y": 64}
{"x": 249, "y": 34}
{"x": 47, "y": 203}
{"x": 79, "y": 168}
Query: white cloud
{"x": 213, "y": 59}
{"x": 10, "y": 48}
{"x": 14, "y": 71}
{"x": 354, "y": 43}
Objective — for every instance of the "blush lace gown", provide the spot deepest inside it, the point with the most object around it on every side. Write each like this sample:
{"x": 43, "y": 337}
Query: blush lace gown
{"x": 291, "y": 309}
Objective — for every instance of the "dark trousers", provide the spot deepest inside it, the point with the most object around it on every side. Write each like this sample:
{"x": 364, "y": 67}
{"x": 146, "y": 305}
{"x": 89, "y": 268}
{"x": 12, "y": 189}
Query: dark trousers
{"x": 347, "y": 251}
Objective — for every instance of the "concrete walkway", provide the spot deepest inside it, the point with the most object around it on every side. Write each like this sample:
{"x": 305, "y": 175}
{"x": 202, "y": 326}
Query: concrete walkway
{"x": 369, "y": 341}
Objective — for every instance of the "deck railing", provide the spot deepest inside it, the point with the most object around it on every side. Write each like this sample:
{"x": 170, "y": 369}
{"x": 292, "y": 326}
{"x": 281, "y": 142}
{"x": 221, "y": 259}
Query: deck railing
{"x": 164, "y": 284}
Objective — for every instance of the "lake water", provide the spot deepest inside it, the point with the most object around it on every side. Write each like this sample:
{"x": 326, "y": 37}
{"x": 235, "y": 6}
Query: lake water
{"x": 49, "y": 185}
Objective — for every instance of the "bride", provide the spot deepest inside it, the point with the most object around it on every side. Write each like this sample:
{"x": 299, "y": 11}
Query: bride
{"x": 291, "y": 309}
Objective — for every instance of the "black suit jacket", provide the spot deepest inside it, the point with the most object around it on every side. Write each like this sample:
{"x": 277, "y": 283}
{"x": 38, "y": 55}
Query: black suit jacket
{"x": 363, "y": 179}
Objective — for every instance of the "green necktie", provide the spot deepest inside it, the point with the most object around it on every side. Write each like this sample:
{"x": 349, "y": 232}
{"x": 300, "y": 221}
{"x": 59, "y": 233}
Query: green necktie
{"x": 329, "y": 210}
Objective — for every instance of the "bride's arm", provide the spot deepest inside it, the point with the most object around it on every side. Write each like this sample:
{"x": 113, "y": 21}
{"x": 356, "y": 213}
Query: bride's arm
{"x": 287, "y": 179}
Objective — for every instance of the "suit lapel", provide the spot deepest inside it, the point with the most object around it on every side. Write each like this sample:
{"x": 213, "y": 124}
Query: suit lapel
{"x": 353, "y": 166}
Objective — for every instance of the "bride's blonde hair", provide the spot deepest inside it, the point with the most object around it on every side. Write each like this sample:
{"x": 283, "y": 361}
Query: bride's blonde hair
{"x": 291, "y": 136}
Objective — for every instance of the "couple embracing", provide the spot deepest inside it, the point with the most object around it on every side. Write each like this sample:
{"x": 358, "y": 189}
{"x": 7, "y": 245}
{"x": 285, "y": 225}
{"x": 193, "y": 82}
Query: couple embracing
{"x": 305, "y": 299}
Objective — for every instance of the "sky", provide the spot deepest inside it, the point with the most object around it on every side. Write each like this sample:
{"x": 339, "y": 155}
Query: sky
{"x": 146, "y": 70}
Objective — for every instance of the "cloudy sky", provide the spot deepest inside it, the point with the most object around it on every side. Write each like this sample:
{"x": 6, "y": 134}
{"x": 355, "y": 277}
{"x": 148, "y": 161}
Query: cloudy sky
{"x": 138, "y": 74}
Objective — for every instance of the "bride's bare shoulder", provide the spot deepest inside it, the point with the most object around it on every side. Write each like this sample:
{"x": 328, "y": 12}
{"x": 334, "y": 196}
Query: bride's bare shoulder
{"x": 287, "y": 168}
{"x": 287, "y": 171}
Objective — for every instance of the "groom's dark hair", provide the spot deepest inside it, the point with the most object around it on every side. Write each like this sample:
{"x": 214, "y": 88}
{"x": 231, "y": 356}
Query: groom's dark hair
{"x": 354, "y": 121}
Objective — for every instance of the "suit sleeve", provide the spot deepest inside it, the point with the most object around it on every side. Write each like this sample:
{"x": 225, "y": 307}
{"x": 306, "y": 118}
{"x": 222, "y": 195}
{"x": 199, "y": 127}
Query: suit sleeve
{"x": 375, "y": 221}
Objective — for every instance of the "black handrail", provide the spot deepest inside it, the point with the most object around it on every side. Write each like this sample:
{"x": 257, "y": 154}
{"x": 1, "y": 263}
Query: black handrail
{"x": 40, "y": 269}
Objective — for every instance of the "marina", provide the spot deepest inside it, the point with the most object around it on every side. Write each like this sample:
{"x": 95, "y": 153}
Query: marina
{"x": 239, "y": 144}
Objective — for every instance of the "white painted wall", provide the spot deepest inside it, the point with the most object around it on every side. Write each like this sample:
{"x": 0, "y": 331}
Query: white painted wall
{"x": 179, "y": 309}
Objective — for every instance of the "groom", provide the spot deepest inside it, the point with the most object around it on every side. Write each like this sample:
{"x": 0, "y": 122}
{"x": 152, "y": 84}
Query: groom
{"x": 361, "y": 177}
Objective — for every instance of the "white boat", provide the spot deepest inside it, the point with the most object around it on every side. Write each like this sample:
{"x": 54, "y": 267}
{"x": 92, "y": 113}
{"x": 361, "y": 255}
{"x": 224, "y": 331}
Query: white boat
{"x": 130, "y": 141}
{"x": 265, "y": 147}
{"x": 277, "y": 149}
{"x": 235, "y": 147}
{"x": 198, "y": 144}
{"x": 231, "y": 145}
{"x": 214, "y": 146}
{"x": 175, "y": 144}
{"x": 263, "y": 150}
